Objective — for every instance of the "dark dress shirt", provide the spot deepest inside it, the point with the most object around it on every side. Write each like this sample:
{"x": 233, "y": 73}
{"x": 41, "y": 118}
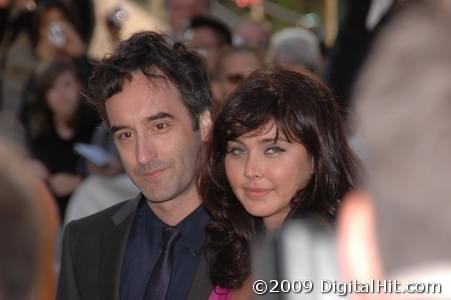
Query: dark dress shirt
{"x": 144, "y": 247}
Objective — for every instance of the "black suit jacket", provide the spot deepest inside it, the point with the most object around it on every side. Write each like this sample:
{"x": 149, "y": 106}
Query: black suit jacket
{"x": 93, "y": 251}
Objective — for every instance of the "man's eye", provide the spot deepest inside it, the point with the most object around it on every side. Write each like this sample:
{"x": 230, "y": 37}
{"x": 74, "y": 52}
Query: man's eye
{"x": 274, "y": 150}
{"x": 124, "y": 136}
{"x": 161, "y": 126}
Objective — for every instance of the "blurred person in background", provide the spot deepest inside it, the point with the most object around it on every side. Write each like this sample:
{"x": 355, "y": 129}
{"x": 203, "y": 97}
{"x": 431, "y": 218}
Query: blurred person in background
{"x": 398, "y": 226}
{"x": 12, "y": 128}
{"x": 20, "y": 230}
{"x": 208, "y": 36}
{"x": 56, "y": 122}
{"x": 253, "y": 33}
{"x": 295, "y": 48}
{"x": 234, "y": 65}
{"x": 58, "y": 35}
{"x": 115, "y": 20}
{"x": 84, "y": 11}
{"x": 360, "y": 24}
{"x": 28, "y": 230}
{"x": 179, "y": 13}
{"x": 277, "y": 151}
{"x": 16, "y": 51}
{"x": 36, "y": 31}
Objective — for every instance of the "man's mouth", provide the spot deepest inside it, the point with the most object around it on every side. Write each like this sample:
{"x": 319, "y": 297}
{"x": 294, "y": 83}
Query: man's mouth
{"x": 154, "y": 173}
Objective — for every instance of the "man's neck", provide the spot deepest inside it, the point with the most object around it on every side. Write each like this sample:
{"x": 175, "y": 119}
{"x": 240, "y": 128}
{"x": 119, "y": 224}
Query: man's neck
{"x": 174, "y": 211}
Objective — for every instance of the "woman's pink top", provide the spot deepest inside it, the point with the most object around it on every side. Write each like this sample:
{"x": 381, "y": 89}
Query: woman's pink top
{"x": 220, "y": 293}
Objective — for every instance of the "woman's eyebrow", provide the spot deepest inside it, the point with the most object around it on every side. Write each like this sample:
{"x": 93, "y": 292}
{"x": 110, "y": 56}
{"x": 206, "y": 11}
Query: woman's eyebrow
{"x": 272, "y": 140}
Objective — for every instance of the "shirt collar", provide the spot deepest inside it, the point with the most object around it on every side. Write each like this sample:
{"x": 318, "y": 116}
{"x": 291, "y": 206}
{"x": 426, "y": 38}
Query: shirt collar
{"x": 192, "y": 228}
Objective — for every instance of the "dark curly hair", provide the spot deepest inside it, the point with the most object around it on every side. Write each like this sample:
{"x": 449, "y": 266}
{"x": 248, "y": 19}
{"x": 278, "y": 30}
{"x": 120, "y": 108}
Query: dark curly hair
{"x": 304, "y": 110}
{"x": 156, "y": 57}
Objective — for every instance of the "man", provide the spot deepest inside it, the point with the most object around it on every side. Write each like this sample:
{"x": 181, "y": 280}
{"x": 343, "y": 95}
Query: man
{"x": 180, "y": 11}
{"x": 234, "y": 65}
{"x": 253, "y": 33}
{"x": 155, "y": 98}
{"x": 399, "y": 227}
{"x": 209, "y": 36}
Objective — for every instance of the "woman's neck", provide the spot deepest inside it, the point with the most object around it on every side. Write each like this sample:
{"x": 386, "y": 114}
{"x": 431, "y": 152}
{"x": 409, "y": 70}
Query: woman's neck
{"x": 272, "y": 223}
{"x": 63, "y": 129}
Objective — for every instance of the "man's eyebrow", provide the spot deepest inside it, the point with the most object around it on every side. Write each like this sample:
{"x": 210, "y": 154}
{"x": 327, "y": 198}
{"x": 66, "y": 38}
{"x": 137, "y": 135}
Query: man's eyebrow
{"x": 160, "y": 115}
{"x": 113, "y": 129}
{"x": 157, "y": 116}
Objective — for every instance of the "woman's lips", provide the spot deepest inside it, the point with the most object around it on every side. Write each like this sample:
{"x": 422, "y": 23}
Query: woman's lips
{"x": 252, "y": 192}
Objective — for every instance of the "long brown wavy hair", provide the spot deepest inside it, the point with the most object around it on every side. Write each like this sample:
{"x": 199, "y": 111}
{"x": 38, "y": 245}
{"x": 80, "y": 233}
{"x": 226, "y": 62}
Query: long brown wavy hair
{"x": 305, "y": 111}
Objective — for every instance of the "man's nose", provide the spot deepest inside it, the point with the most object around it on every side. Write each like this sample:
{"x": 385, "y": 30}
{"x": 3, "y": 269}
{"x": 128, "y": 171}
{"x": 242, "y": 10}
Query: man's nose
{"x": 145, "y": 151}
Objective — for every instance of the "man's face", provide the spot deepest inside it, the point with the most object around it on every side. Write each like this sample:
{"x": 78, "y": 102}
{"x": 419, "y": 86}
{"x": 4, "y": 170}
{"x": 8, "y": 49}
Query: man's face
{"x": 154, "y": 135}
{"x": 180, "y": 11}
{"x": 235, "y": 68}
{"x": 254, "y": 34}
{"x": 205, "y": 42}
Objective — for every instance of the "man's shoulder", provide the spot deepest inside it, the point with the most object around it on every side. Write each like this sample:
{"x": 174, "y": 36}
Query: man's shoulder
{"x": 103, "y": 217}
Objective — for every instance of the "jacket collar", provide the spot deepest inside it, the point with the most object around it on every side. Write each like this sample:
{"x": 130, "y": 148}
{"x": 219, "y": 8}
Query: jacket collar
{"x": 125, "y": 211}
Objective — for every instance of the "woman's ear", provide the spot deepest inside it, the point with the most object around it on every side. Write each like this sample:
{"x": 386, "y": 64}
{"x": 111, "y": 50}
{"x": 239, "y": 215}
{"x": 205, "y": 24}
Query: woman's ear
{"x": 205, "y": 124}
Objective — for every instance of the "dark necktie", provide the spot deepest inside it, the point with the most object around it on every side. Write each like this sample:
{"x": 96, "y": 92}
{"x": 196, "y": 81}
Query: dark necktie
{"x": 158, "y": 284}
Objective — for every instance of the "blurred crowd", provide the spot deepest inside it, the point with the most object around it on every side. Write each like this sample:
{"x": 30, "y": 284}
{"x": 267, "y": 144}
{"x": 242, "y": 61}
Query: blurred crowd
{"x": 68, "y": 160}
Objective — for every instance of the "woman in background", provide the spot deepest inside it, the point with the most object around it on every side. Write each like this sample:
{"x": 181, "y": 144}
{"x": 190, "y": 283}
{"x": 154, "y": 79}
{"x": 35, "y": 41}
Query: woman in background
{"x": 56, "y": 123}
{"x": 278, "y": 150}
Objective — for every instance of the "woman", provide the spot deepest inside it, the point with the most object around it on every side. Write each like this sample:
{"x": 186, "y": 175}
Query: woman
{"x": 278, "y": 150}
{"x": 60, "y": 33}
{"x": 57, "y": 32}
{"x": 57, "y": 120}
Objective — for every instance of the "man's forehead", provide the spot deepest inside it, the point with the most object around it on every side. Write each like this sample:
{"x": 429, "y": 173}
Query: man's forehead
{"x": 154, "y": 87}
{"x": 143, "y": 95}
{"x": 155, "y": 82}
{"x": 152, "y": 76}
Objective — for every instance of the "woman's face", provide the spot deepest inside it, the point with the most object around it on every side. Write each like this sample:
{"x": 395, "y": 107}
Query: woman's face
{"x": 63, "y": 97}
{"x": 265, "y": 173}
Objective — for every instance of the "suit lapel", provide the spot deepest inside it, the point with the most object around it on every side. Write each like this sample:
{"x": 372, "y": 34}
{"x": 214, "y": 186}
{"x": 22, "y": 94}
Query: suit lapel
{"x": 113, "y": 248}
{"x": 201, "y": 285}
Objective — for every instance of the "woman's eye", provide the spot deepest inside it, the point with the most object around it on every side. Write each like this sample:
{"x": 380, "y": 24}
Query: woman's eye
{"x": 236, "y": 151}
{"x": 274, "y": 150}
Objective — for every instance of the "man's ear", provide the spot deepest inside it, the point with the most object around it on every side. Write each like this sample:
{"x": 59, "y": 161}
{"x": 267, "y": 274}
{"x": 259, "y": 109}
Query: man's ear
{"x": 358, "y": 248}
{"x": 205, "y": 124}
